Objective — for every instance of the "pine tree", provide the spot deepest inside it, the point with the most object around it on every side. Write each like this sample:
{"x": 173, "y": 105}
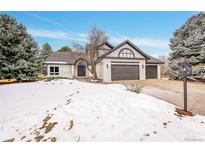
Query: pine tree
{"x": 46, "y": 51}
{"x": 188, "y": 44}
{"x": 19, "y": 58}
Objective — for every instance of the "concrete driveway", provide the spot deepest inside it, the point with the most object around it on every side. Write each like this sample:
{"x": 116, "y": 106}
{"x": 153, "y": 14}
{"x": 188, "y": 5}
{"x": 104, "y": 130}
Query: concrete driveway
{"x": 172, "y": 92}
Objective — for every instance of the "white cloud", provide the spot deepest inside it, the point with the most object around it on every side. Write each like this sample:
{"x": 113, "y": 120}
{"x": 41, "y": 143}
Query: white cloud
{"x": 48, "y": 34}
{"x": 45, "y": 19}
{"x": 83, "y": 35}
{"x": 147, "y": 42}
{"x": 158, "y": 44}
{"x": 60, "y": 35}
{"x": 80, "y": 37}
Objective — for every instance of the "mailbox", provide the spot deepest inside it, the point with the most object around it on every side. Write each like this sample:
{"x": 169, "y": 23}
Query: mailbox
{"x": 185, "y": 69}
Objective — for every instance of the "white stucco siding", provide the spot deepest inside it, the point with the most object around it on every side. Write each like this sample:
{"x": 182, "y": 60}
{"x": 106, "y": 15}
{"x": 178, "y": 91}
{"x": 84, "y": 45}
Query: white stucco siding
{"x": 158, "y": 72}
{"x": 106, "y": 65}
{"x": 99, "y": 69}
{"x": 105, "y": 48}
{"x": 116, "y": 52}
{"x": 64, "y": 70}
{"x": 142, "y": 67}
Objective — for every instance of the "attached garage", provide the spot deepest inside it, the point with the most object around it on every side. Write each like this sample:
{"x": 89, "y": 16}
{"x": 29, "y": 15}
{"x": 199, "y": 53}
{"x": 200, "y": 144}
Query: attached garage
{"x": 124, "y": 72}
{"x": 151, "y": 72}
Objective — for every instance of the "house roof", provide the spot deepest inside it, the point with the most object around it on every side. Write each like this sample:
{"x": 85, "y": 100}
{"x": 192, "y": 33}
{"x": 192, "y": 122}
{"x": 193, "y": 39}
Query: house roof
{"x": 72, "y": 57}
{"x": 66, "y": 57}
{"x": 153, "y": 60}
{"x": 123, "y": 43}
{"x": 109, "y": 44}
{"x": 106, "y": 43}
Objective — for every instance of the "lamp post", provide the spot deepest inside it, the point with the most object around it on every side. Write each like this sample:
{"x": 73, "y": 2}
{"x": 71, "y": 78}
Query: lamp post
{"x": 186, "y": 69}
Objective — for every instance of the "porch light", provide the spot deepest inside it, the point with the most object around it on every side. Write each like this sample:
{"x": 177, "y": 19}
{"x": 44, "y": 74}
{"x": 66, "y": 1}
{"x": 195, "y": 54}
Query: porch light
{"x": 107, "y": 66}
{"x": 142, "y": 66}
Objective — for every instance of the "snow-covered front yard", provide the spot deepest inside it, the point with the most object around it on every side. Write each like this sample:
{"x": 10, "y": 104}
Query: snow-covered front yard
{"x": 70, "y": 110}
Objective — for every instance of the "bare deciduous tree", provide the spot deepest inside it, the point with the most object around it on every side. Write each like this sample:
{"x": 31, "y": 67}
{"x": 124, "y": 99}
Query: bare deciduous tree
{"x": 164, "y": 67}
{"x": 76, "y": 47}
{"x": 96, "y": 39}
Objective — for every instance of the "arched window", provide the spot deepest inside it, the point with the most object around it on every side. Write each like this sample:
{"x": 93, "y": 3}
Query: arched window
{"x": 81, "y": 63}
{"x": 126, "y": 53}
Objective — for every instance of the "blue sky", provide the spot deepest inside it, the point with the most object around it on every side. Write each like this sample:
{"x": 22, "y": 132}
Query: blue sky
{"x": 150, "y": 31}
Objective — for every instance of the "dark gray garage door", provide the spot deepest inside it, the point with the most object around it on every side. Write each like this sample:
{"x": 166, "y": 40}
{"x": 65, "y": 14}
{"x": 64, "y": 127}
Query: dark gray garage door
{"x": 151, "y": 72}
{"x": 124, "y": 72}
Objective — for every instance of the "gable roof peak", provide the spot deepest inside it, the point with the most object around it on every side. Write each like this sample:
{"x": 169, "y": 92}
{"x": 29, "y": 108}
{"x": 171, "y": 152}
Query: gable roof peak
{"x": 133, "y": 45}
{"x": 120, "y": 45}
{"x": 109, "y": 44}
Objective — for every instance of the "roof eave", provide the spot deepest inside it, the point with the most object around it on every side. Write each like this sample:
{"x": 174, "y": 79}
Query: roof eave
{"x": 121, "y": 44}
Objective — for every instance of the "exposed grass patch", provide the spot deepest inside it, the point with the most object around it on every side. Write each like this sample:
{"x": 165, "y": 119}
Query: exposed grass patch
{"x": 45, "y": 121}
{"x": 50, "y": 139}
{"x": 9, "y": 140}
{"x": 68, "y": 101}
{"x": 50, "y": 126}
{"x": 53, "y": 139}
{"x": 165, "y": 124}
{"x": 37, "y": 133}
{"x": 7, "y": 81}
{"x": 39, "y": 138}
{"x": 71, "y": 125}
{"x": 23, "y": 137}
{"x": 54, "y": 78}
{"x": 147, "y": 134}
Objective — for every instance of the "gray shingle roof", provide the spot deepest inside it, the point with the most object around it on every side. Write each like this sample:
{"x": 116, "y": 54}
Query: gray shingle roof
{"x": 153, "y": 60}
{"x": 121, "y": 44}
{"x": 72, "y": 57}
{"x": 68, "y": 57}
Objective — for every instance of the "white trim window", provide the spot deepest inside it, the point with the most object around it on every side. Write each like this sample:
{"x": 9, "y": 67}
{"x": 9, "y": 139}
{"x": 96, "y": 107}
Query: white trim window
{"x": 126, "y": 53}
{"x": 54, "y": 70}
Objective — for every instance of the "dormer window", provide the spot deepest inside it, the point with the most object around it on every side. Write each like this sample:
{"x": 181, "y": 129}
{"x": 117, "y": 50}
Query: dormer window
{"x": 126, "y": 53}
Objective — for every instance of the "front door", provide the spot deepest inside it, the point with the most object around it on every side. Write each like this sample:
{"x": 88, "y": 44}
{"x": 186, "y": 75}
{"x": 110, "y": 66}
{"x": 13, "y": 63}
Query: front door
{"x": 81, "y": 70}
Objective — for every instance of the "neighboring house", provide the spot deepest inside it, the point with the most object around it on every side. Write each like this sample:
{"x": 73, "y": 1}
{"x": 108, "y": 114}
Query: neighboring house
{"x": 123, "y": 62}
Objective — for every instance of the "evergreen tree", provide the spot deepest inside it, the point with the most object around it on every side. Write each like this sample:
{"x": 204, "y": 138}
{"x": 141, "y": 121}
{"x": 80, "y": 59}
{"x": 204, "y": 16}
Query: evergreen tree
{"x": 188, "y": 44}
{"x": 19, "y": 56}
{"x": 46, "y": 51}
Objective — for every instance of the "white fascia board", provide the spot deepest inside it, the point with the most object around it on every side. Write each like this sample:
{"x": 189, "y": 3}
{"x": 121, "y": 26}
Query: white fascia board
{"x": 55, "y": 62}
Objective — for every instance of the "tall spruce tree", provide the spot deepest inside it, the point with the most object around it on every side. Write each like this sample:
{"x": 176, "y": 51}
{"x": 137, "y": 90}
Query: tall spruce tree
{"x": 19, "y": 58}
{"x": 188, "y": 44}
{"x": 46, "y": 51}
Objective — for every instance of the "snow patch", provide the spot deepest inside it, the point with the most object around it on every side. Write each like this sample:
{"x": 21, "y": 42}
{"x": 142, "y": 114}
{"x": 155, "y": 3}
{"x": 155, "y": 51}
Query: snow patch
{"x": 90, "y": 112}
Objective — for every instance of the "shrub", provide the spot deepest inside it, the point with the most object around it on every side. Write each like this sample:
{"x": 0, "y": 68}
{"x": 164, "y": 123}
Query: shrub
{"x": 135, "y": 88}
{"x": 54, "y": 78}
